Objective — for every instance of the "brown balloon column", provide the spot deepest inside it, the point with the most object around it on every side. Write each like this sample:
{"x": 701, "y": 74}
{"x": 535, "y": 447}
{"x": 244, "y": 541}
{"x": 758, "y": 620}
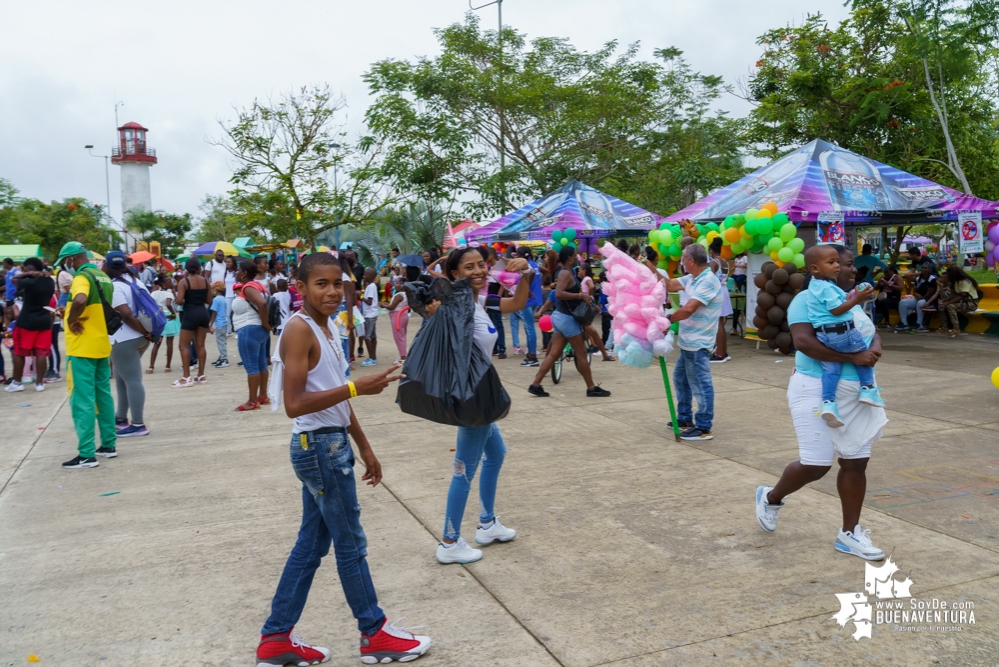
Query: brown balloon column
{"x": 777, "y": 285}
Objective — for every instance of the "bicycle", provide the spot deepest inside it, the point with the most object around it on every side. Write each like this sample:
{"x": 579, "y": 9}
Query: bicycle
{"x": 567, "y": 353}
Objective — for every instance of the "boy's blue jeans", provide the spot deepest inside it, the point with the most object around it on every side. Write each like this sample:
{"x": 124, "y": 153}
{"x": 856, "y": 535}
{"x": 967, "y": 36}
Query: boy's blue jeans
{"x": 482, "y": 443}
{"x": 330, "y": 513}
{"x": 848, "y": 342}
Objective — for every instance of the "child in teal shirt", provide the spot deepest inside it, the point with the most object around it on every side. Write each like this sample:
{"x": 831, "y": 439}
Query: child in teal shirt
{"x": 219, "y": 322}
{"x": 829, "y": 313}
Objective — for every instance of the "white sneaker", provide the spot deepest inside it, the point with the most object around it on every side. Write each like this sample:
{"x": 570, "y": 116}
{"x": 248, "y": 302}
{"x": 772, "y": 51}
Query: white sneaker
{"x": 459, "y": 552}
{"x": 766, "y": 514}
{"x": 14, "y": 386}
{"x": 40, "y": 387}
{"x": 494, "y": 533}
{"x": 858, "y": 543}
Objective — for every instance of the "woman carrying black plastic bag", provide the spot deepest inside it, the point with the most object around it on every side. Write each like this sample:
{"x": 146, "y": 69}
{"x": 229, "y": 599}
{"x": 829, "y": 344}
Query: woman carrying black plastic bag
{"x": 482, "y": 443}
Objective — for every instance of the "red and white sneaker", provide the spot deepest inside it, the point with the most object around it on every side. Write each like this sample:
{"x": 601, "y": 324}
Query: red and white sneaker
{"x": 289, "y": 649}
{"x": 392, "y": 643}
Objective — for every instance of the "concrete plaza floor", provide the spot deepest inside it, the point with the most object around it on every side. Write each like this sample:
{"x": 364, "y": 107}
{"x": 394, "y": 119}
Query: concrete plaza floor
{"x": 633, "y": 550}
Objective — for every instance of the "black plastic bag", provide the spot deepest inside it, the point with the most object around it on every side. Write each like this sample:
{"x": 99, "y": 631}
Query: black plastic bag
{"x": 449, "y": 379}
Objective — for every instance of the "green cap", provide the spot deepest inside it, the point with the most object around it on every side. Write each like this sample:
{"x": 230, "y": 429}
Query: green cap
{"x": 70, "y": 249}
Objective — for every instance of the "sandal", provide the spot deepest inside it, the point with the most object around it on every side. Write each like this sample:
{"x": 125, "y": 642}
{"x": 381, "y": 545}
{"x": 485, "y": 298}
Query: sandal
{"x": 167, "y": 370}
{"x": 183, "y": 382}
{"x": 201, "y": 379}
{"x": 246, "y": 407}
{"x": 149, "y": 371}
{"x": 264, "y": 401}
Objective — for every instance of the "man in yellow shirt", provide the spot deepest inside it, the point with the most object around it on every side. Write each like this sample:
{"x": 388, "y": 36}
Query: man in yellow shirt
{"x": 88, "y": 348}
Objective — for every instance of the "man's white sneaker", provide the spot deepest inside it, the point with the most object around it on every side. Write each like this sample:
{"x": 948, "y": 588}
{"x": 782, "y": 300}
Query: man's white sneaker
{"x": 40, "y": 387}
{"x": 766, "y": 514}
{"x": 496, "y": 532}
{"x": 14, "y": 386}
{"x": 459, "y": 552}
{"x": 858, "y": 543}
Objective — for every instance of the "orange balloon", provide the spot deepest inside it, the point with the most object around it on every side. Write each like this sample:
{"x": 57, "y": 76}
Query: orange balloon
{"x": 732, "y": 234}
{"x": 770, "y": 206}
{"x": 673, "y": 264}
{"x": 779, "y": 263}
{"x": 726, "y": 252}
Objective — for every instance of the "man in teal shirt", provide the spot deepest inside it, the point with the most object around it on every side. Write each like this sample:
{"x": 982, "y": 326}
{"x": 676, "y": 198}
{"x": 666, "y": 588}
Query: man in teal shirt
{"x": 869, "y": 261}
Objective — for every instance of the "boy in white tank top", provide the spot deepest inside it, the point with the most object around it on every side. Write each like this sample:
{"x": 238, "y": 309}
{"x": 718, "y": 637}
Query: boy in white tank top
{"x": 316, "y": 395}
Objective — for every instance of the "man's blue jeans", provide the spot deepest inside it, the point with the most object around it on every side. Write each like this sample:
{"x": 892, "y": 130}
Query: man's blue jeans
{"x": 525, "y": 315}
{"x": 482, "y": 443}
{"x": 330, "y": 513}
{"x": 692, "y": 377}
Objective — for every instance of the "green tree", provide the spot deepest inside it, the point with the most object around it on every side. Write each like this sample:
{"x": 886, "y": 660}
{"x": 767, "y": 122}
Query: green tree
{"x": 169, "y": 229}
{"x": 496, "y": 122}
{"x": 220, "y": 221}
{"x": 30, "y": 221}
{"x": 411, "y": 229}
{"x": 296, "y": 174}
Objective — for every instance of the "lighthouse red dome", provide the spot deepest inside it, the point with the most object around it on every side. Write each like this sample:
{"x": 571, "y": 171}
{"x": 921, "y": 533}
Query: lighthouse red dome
{"x": 132, "y": 145}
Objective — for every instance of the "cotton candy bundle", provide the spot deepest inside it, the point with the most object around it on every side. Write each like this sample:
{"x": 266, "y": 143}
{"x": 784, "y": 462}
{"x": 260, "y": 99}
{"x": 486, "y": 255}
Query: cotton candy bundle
{"x": 635, "y": 297}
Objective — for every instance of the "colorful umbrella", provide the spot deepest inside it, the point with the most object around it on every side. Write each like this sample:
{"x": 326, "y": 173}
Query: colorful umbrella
{"x": 142, "y": 256}
{"x": 210, "y": 248}
{"x": 95, "y": 255}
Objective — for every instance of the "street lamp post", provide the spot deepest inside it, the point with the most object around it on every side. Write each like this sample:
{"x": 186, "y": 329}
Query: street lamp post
{"x": 499, "y": 40}
{"x": 107, "y": 188}
{"x": 336, "y": 192}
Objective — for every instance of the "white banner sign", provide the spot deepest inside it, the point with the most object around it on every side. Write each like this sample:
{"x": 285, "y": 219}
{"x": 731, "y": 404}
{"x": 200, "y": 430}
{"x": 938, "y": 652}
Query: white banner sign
{"x": 969, "y": 230}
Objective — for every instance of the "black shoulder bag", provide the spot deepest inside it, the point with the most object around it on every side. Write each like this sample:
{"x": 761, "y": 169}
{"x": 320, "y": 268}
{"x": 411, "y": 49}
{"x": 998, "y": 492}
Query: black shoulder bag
{"x": 112, "y": 319}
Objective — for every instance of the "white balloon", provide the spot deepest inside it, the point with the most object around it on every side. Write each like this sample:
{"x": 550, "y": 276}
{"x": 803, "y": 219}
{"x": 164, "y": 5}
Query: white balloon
{"x": 989, "y": 245}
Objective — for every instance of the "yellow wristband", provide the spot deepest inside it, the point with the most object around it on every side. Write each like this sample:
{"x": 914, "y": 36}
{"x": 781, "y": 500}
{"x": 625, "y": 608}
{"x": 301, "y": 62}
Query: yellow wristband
{"x": 353, "y": 389}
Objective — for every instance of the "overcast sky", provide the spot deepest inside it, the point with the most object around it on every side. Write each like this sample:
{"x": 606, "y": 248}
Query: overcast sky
{"x": 179, "y": 66}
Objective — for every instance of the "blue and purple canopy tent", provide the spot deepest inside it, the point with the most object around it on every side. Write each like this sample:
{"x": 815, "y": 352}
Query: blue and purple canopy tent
{"x": 575, "y": 205}
{"x": 822, "y": 178}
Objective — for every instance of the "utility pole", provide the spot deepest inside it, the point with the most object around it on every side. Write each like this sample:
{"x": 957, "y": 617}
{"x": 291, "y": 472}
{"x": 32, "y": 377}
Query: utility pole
{"x": 499, "y": 91}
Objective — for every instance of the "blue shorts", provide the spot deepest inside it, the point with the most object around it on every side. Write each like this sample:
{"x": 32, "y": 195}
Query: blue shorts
{"x": 567, "y": 325}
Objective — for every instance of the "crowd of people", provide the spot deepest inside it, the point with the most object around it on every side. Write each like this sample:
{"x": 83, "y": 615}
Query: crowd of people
{"x": 325, "y": 312}
{"x": 919, "y": 293}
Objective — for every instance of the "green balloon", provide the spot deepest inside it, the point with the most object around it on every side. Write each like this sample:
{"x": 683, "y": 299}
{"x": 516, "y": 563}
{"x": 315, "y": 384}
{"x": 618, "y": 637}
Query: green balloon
{"x": 762, "y": 239}
{"x": 780, "y": 219}
{"x": 701, "y": 230}
{"x": 662, "y": 264}
{"x": 666, "y": 237}
{"x": 740, "y": 219}
{"x": 654, "y": 236}
{"x": 737, "y": 247}
{"x": 785, "y": 254}
{"x": 775, "y": 244}
{"x": 663, "y": 226}
{"x": 713, "y": 226}
{"x": 799, "y": 260}
{"x": 764, "y": 225}
{"x": 564, "y": 241}
{"x": 752, "y": 213}
{"x": 728, "y": 221}
{"x": 757, "y": 247}
{"x": 796, "y": 244}
{"x": 557, "y": 236}
{"x": 674, "y": 251}
{"x": 570, "y": 234}
{"x": 787, "y": 232}
{"x": 572, "y": 245}
{"x": 750, "y": 227}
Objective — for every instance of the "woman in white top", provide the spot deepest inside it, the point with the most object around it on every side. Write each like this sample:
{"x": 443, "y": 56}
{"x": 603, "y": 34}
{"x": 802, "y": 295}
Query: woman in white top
{"x": 482, "y": 443}
{"x": 720, "y": 267}
{"x": 253, "y": 333}
{"x": 398, "y": 309}
{"x": 128, "y": 345}
{"x": 231, "y": 268}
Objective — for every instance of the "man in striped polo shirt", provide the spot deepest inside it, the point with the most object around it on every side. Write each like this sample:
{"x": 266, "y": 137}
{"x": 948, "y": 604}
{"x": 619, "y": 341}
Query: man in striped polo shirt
{"x": 698, "y": 318}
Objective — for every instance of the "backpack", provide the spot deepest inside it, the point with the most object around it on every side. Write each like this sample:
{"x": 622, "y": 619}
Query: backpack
{"x": 112, "y": 319}
{"x": 147, "y": 311}
{"x": 273, "y": 311}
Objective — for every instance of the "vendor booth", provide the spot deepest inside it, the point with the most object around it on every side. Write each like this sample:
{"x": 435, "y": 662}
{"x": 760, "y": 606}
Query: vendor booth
{"x": 827, "y": 191}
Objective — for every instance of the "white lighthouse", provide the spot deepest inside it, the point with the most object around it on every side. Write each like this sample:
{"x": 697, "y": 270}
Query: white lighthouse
{"x": 135, "y": 157}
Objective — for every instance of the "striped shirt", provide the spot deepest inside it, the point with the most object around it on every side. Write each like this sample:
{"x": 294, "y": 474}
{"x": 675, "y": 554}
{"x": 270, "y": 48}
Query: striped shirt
{"x": 698, "y": 331}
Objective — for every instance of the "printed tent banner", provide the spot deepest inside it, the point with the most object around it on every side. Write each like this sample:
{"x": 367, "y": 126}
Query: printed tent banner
{"x": 575, "y": 205}
{"x": 821, "y": 178}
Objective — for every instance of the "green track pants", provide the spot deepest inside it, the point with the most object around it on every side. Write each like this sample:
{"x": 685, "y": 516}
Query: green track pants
{"x": 89, "y": 384}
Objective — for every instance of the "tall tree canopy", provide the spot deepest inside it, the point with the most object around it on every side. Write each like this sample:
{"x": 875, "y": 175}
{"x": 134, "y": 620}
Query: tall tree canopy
{"x": 547, "y": 112}
{"x": 872, "y": 85}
